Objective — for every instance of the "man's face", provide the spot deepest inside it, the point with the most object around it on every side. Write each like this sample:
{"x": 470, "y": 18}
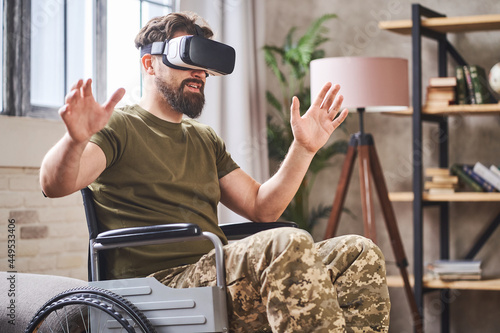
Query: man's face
{"x": 182, "y": 89}
{"x": 187, "y": 97}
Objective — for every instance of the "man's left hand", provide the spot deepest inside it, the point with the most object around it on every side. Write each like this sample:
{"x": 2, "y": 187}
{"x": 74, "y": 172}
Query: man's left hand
{"x": 314, "y": 128}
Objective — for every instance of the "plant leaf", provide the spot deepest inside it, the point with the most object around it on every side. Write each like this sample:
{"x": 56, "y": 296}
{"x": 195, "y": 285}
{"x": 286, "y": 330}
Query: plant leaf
{"x": 272, "y": 63}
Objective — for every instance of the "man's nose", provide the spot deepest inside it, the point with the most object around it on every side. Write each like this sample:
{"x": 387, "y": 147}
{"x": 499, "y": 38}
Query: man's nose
{"x": 199, "y": 74}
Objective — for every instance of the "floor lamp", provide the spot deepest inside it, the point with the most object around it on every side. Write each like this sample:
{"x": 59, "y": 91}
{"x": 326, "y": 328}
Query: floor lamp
{"x": 368, "y": 84}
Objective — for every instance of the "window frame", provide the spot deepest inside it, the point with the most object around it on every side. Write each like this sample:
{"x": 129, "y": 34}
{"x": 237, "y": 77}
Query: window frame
{"x": 17, "y": 49}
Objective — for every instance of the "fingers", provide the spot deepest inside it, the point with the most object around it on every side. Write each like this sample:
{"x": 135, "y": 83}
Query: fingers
{"x": 77, "y": 85}
{"x": 330, "y": 97}
{"x": 318, "y": 102}
{"x": 87, "y": 88}
{"x": 294, "y": 109}
{"x": 340, "y": 119}
{"x": 335, "y": 107}
{"x": 74, "y": 92}
{"x": 114, "y": 99}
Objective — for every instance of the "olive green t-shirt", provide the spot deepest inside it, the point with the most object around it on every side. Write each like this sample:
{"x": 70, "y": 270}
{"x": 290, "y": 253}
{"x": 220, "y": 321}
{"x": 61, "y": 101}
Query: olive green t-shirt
{"x": 157, "y": 172}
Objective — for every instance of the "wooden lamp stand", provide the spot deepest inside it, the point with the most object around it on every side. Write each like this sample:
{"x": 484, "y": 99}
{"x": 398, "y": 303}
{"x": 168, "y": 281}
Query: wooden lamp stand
{"x": 362, "y": 144}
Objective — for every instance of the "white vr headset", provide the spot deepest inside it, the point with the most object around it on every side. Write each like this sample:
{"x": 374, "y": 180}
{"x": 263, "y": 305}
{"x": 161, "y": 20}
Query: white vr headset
{"x": 194, "y": 52}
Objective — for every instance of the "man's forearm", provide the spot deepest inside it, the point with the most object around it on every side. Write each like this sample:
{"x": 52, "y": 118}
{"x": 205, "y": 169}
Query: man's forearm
{"x": 60, "y": 168}
{"x": 275, "y": 194}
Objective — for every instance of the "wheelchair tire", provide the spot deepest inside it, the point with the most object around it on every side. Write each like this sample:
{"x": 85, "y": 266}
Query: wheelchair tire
{"x": 70, "y": 312}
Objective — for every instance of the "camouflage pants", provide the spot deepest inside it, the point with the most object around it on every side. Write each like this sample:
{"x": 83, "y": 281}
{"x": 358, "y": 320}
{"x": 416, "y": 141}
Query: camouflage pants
{"x": 281, "y": 281}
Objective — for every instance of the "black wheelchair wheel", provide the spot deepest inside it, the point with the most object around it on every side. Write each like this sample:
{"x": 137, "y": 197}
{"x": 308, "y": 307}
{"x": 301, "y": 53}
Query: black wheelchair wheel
{"x": 89, "y": 310}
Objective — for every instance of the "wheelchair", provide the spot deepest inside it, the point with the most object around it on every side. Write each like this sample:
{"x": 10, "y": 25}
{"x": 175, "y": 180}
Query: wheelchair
{"x": 142, "y": 304}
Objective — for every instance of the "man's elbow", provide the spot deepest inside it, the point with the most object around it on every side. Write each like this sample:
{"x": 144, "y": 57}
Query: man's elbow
{"x": 266, "y": 217}
{"x": 49, "y": 191}
{"x": 52, "y": 190}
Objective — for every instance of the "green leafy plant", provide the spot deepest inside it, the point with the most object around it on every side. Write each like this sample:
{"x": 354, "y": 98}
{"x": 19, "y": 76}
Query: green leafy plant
{"x": 290, "y": 65}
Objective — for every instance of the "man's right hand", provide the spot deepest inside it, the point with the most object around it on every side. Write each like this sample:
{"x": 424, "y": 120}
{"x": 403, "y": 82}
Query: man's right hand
{"x": 83, "y": 115}
{"x": 74, "y": 162}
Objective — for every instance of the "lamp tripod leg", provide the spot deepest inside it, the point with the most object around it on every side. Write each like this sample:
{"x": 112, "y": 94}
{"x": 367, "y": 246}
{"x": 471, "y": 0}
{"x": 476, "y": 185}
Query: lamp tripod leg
{"x": 366, "y": 193}
{"x": 340, "y": 195}
{"x": 395, "y": 237}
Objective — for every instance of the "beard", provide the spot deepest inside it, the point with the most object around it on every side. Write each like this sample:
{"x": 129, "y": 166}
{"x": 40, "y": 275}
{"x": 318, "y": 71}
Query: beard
{"x": 188, "y": 103}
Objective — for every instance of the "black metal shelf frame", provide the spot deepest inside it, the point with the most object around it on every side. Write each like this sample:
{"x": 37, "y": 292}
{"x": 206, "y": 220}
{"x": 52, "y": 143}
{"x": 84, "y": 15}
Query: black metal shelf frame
{"x": 444, "y": 49}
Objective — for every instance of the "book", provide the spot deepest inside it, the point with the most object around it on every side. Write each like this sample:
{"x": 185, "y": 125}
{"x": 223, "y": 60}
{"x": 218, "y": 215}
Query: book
{"x": 440, "y": 181}
{"x": 479, "y": 84}
{"x": 445, "y": 179}
{"x": 471, "y": 97}
{"x": 441, "y": 93}
{"x": 457, "y": 169}
{"x": 455, "y": 266}
{"x": 495, "y": 170}
{"x": 438, "y": 103}
{"x": 431, "y": 172}
{"x": 441, "y": 190}
{"x": 478, "y": 179}
{"x": 461, "y": 88}
{"x": 447, "y": 81}
{"x": 430, "y": 184}
{"x": 455, "y": 269}
{"x": 485, "y": 173}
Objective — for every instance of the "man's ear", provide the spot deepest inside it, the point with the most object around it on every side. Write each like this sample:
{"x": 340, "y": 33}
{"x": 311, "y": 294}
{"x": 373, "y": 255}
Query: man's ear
{"x": 147, "y": 64}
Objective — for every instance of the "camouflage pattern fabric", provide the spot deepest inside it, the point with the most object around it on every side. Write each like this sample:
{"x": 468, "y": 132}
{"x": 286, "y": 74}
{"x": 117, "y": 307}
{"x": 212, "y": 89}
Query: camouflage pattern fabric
{"x": 281, "y": 281}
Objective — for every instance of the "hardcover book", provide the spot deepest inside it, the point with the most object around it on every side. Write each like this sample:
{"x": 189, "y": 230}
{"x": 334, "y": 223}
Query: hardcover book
{"x": 484, "y": 184}
{"x": 471, "y": 97}
{"x": 457, "y": 169}
{"x": 495, "y": 170}
{"x": 479, "y": 84}
{"x": 461, "y": 90}
{"x": 483, "y": 172}
{"x": 449, "y": 270}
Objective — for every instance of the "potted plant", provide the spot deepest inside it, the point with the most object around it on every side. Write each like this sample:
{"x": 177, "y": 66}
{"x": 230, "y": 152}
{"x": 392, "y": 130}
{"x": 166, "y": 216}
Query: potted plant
{"x": 290, "y": 65}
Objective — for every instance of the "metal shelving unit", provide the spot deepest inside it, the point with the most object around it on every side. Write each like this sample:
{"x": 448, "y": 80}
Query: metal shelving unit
{"x": 433, "y": 25}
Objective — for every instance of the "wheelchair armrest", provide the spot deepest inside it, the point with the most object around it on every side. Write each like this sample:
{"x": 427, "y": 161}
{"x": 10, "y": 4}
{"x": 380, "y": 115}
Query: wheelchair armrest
{"x": 148, "y": 233}
{"x": 234, "y": 231}
{"x": 156, "y": 234}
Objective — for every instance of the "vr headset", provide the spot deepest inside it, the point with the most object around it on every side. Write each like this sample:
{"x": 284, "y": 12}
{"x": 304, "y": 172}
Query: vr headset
{"x": 194, "y": 52}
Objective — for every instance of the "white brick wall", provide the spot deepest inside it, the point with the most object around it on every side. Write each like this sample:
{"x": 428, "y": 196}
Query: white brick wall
{"x": 51, "y": 234}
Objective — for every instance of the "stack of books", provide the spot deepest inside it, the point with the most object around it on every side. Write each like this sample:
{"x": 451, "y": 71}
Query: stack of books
{"x": 473, "y": 86}
{"x": 439, "y": 180}
{"x": 478, "y": 177}
{"x": 453, "y": 270}
{"x": 441, "y": 91}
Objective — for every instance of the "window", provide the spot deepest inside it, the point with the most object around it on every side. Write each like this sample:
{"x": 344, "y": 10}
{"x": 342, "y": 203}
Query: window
{"x": 68, "y": 40}
{"x": 125, "y": 18}
{"x": 61, "y": 49}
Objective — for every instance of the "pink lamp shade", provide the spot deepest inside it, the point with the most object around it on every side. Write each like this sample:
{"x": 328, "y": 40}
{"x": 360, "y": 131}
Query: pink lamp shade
{"x": 374, "y": 83}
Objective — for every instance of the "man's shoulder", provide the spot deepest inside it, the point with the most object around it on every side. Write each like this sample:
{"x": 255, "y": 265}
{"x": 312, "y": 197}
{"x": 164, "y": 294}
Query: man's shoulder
{"x": 199, "y": 127}
{"x": 124, "y": 114}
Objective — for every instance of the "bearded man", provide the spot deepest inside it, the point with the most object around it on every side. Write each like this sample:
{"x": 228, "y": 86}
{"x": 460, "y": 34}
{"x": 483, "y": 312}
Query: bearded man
{"x": 148, "y": 164}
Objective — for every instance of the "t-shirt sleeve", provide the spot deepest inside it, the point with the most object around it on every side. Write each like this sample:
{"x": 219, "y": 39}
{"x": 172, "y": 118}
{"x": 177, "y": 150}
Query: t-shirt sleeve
{"x": 110, "y": 140}
{"x": 224, "y": 161}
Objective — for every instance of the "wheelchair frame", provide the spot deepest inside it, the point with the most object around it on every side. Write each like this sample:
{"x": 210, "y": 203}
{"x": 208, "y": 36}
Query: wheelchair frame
{"x": 153, "y": 306}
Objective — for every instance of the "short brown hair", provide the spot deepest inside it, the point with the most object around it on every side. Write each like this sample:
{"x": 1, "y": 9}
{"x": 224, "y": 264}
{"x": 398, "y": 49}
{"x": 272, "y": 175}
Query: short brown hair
{"x": 161, "y": 28}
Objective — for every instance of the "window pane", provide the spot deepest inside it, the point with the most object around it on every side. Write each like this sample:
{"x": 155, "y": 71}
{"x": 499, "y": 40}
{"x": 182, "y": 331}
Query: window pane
{"x": 47, "y": 53}
{"x": 79, "y": 42}
{"x": 123, "y": 59}
{"x": 150, "y": 10}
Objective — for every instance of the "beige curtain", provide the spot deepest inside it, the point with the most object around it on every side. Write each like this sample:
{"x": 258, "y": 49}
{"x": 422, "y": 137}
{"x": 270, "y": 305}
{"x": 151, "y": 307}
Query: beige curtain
{"x": 235, "y": 104}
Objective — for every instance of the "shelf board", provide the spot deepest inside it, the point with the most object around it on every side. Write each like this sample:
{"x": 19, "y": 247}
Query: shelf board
{"x": 432, "y": 283}
{"x": 446, "y": 24}
{"x": 467, "y": 109}
{"x": 458, "y": 196}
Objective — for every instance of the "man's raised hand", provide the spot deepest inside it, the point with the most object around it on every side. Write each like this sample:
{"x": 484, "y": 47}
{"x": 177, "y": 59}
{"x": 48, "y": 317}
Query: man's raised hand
{"x": 82, "y": 115}
{"x": 315, "y": 127}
